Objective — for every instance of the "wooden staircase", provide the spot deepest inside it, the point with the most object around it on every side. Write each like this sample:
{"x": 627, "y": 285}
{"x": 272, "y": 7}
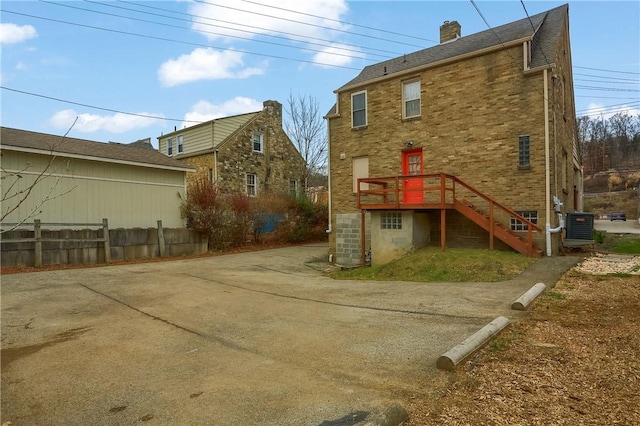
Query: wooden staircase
{"x": 496, "y": 229}
{"x": 447, "y": 192}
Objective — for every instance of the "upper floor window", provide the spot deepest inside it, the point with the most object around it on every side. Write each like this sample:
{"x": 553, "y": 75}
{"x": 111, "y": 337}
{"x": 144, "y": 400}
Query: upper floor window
{"x": 180, "y": 140}
{"x": 170, "y": 146}
{"x": 359, "y": 109}
{"x": 411, "y": 99}
{"x": 257, "y": 142}
{"x": 252, "y": 185}
{"x": 523, "y": 151}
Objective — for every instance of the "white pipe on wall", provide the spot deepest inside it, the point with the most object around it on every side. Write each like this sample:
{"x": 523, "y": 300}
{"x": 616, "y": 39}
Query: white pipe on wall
{"x": 547, "y": 177}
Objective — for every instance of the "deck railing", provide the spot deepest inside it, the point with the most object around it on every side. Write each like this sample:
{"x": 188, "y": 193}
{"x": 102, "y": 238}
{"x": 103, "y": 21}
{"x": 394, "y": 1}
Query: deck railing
{"x": 437, "y": 191}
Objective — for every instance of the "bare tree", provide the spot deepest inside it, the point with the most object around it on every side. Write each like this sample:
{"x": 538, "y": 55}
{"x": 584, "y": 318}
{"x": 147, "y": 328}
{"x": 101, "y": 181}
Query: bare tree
{"x": 14, "y": 194}
{"x": 307, "y": 130}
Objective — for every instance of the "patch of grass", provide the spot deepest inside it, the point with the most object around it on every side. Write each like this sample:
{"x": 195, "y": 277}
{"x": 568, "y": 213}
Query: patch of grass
{"x": 431, "y": 264}
{"x": 619, "y": 243}
{"x": 631, "y": 246}
{"x": 555, "y": 295}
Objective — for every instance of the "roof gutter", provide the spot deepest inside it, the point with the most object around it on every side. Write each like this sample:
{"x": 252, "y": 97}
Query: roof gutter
{"x": 90, "y": 158}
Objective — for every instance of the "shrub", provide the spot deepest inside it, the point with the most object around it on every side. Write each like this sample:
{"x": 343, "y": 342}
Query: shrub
{"x": 207, "y": 211}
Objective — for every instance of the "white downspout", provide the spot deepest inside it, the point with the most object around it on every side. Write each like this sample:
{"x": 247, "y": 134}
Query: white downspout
{"x": 556, "y": 200}
{"x": 547, "y": 177}
{"x": 328, "y": 230}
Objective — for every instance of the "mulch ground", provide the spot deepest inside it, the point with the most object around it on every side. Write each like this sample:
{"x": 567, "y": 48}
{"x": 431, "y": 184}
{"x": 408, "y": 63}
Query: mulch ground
{"x": 574, "y": 361}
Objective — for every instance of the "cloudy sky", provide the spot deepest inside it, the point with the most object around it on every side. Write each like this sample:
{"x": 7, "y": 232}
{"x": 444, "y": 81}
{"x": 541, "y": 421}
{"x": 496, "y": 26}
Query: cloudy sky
{"x": 134, "y": 69}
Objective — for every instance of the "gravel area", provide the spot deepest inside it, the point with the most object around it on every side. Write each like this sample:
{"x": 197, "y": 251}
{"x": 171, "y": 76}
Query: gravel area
{"x": 603, "y": 264}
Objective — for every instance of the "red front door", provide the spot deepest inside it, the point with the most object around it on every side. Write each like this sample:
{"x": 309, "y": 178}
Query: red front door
{"x": 412, "y": 165}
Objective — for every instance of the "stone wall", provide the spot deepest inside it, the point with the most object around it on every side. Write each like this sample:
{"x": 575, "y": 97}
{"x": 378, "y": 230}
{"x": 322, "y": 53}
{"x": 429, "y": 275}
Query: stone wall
{"x": 126, "y": 244}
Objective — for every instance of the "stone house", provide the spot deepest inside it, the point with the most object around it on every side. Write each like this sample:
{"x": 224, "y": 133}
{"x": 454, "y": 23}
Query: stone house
{"x": 246, "y": 153}
{"x": 471, "y": 143}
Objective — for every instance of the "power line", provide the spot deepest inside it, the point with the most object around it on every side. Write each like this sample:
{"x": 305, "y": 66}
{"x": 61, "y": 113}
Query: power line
{"x": 607, "y": 82}
{"x": 604, "y": 70}
{"x": 304, "y": 38}
{"x": 208, "y": 32}
{"x": 534, "y": 29}
{"x": 303, "y": 23}
{"x": 97, "y": 107}
{"x": 340, "y": 22}
{"x": 609, "y": 78}
{"x": 179, "y": 41}
{"x": 606, "y": 89}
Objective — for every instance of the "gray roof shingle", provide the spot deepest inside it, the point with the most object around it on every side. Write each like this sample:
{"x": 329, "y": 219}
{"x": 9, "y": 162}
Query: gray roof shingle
{"x": 548, "y": 25}
{"x": 110, "y": 152}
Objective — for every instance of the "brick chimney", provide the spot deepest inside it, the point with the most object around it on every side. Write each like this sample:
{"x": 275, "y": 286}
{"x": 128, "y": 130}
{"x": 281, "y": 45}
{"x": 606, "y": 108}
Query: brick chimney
{"x": 450, "y": 30}
{"x": 274, "y": 108}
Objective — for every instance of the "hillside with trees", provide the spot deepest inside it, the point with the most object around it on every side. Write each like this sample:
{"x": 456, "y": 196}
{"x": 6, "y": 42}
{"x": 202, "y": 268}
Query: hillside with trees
{"x": 610, "y": 149}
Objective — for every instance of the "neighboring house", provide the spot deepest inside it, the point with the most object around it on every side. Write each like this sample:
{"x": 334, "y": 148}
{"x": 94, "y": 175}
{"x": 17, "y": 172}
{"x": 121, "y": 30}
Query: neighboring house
{"x": 246, "y": 153}
{"x": 86, "y": 181}
{"x": 468, "y": 143}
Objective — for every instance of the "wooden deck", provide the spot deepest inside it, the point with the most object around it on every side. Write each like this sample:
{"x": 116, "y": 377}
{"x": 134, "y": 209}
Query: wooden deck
{"x": 447, "y": 192}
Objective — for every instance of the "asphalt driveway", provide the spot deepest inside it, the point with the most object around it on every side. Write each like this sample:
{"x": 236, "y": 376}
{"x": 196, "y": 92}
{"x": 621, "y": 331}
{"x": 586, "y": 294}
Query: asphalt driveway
{"x": 259, "y": 338}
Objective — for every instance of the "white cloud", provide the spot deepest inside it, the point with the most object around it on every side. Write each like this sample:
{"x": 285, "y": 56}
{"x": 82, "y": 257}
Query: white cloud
{"x": 88, "y": 123}
{"x": 335, "y": 55}
{"x": 12, "y": 33}
{"x": 205, "y": 111}
{"x": 204, "y": 64}
{"x": 595, "y": 110}
{"x": 268, "y": 17}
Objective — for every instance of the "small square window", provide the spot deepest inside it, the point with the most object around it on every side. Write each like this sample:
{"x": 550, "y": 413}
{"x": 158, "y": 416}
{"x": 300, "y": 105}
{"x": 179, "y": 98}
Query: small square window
{"x": 523, "y": 151}
{"x": 391, "y": 220}
{"x": 530, "y": 215}
{"x": 257, "y": 142}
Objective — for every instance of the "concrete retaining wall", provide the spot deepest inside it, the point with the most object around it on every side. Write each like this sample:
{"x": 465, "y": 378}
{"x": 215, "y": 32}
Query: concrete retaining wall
{"x": 126, "y": 244}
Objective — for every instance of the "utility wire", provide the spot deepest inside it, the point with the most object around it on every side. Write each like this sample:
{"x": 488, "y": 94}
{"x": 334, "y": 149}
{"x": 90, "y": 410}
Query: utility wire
{"x": 608, "y": 78}
{"x": 534, "y": 30}
{"x": 600, "y": 69}
{"x": 303, "y": 23}
{"x": 179, "y": 41}
{"x": 204, "y": 31}
{"x": 97, "y": 107}
{"x": 304, "y": 38}
{"x": 340, "y": 22}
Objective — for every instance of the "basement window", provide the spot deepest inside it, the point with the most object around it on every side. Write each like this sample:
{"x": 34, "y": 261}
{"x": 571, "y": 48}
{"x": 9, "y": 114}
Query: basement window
{"x": 391, "y": 220}
{"x": 530, "y": 215}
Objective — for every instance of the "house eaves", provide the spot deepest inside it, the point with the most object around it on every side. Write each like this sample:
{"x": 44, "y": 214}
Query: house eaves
{"x": 66, "y": 147}
{"x": 546, "y": 27}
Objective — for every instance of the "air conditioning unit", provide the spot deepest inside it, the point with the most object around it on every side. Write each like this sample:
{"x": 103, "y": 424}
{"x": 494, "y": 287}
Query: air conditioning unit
{"x": 580, "y": 226}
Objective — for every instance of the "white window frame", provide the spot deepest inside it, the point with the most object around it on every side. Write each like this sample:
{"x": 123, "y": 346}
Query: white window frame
{"x": 252, "y": 187}
{"x": 170, "y": 147}
{"x": 260, "y": 137}
{"x": 405, "y": 99}
{"x": 180, "y": 139}
{"x": 530, "y": 215}
{"x": 353, "y": 111}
